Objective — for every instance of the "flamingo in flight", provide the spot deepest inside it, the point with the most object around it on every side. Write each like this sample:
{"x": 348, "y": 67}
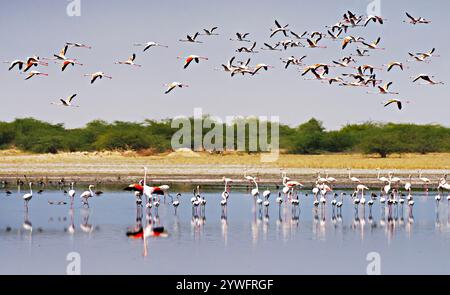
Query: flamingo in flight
{"x": 33, "y": 61}
{"x": 248, "y": 49}
{"x": 415, "y": 21}
{"x": 314, "y": 44}
{"x": 301, "y": 37}
{"x": 393, "y": 64}
{"x": 191, "y": 39}
{"x": 374, "y": 44}
{"x": 149, "y": 45}
{"x": 361, "y": 52}
{"x": 97, "y": 75}
{"x": 396, "y": 101}
{"x": 173, "y": 85}
{"x": 427, "y": 79}
{"x": 35, "y": 73}
{"x": 210, "y": 32}
{"x": 334, "y": 36}
{"x": 190, "y": 58}
{"x": 241, "y": 37}
{"x": 261, "y": 66}
{"x": 19, "y": 63}
{"x": 66, "y": 102}
{"x": 271, "y": 47}
{"x": 384, "y": 89}
{"x": 129, "y": 61}
{"x": 375, "y": 19}
{"x": 293, "y": 60}
{"x": 68, "y": 62}
{"x": 79, "y": 45}
{"x": 279, "y": 28}
{"x": 62, "y": 54}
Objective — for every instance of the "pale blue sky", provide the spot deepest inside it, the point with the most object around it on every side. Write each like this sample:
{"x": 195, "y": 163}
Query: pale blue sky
{"x": 111, "y": 27}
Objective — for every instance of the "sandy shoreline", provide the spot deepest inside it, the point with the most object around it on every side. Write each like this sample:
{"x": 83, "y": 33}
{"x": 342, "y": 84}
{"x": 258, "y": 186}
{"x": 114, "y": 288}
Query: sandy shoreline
{"x": 187, "y": 174}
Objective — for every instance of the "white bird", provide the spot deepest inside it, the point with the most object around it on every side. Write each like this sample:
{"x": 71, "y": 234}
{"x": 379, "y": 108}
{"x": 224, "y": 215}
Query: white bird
{"x": 279, "y": 28}
{"x": 71, "y": 191}
{"x": 80, "y": 45}
{"x": 174, "y": 85}
{"x": 414, "y": 20}
{"x": 241, "y": 37}
{"x": 210, "y": 32}
{"x": 190, "y": 58}
{"x": 427, "y": 79}
{"x": 66, "y": 102}
{"x": 150, "y": 44}
{"x": 17, "y": 62}
{"x": 35, "y": 73}
{"x": 27, "y": 197}
{"x": 129, "y": 61}
{"x": 352, "y": 178}
{"x": 97, "y": 75}
{"x": 86, "y": 195}
{"x": 374, "y": 44}
{"x": 191, "y": 39}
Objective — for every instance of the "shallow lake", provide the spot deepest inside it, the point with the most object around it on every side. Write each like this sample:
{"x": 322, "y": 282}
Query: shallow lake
{"x": 247, "y": 241}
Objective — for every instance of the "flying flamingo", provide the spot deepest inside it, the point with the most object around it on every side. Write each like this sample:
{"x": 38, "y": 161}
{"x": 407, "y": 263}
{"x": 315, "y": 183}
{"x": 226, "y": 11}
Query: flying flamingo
{"x": 17, "y": 62}
{"x": 190, "y": 58}
{"x": 210, "y": 32}
{"x": 79, "y": 45}
{"x": 248, "y": 49}
{"x": 67, "y": 62}
{"x": 314, "y": 44}
{"x": 375, "y": 19}
{"x": 414, "y": 21}
{"x": 97, "y": 75}
{"x": 384, "y": 89}
{"x": 33, "y": 61}
{"x": 261, "y": 66}
{"x": 374, "y": 44}
{"x": 241, "y": 37}
{"x": 279, "y": 28}
{"x": 398, "y": 102}
{"x": 427, "y": 79}
{"x": 150, "y": 44}
{"x": 129, "y": 61}
{"x": 191, "y": 39}
{"x": 271, "y": 47}
{"x": 35, "y": 73}
{"x": 393, "y": 64}
{"x": 174, "y": 85}
{"x": 66, "y": 102}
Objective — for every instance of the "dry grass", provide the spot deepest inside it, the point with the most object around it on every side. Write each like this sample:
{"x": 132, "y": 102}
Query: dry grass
{"x": 355, "y": 161}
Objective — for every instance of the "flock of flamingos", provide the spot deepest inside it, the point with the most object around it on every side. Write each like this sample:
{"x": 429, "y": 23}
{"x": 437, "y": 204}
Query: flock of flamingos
{"x": 364, "y": 76}
{"x": 390, "y": 195}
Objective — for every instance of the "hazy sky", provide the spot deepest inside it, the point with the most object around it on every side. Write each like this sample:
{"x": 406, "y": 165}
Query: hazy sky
{"x": 112, "y": 26}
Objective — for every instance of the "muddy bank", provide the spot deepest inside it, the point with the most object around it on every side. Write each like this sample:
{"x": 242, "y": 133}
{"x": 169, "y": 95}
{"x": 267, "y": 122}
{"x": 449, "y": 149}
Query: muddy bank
{"x": 193, "y": 174}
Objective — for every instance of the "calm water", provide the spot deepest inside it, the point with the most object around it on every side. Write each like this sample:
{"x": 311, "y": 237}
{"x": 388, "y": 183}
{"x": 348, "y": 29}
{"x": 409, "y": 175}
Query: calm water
{"x": 246, "y": 242}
